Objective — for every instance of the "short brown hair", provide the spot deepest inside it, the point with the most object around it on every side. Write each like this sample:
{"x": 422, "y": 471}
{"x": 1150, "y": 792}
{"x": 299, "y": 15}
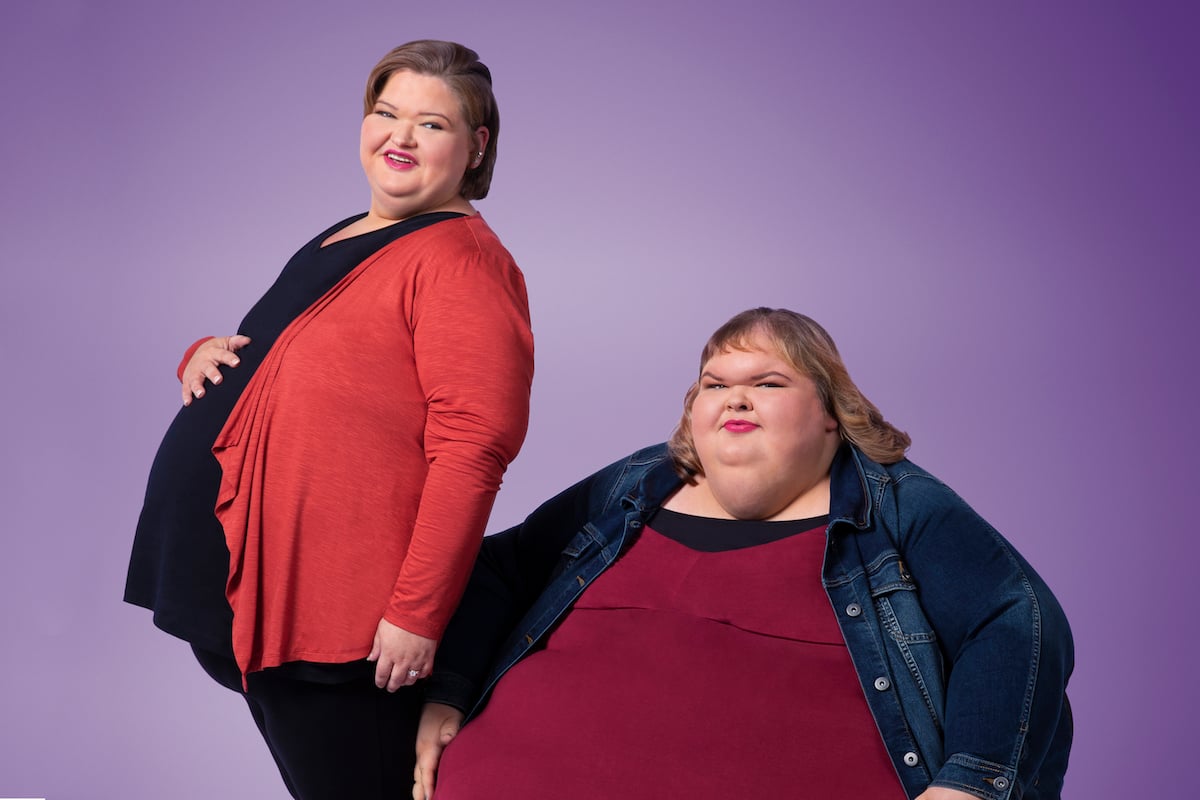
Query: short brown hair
{"x": 470, "y": 81}
{"x": 809, "y": 349}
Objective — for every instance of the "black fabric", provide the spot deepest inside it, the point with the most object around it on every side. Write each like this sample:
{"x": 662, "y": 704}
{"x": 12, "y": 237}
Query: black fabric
{"x": 180, "y": 562}
{"x": 711, "y": 535}
{"x": 330, "y": 741}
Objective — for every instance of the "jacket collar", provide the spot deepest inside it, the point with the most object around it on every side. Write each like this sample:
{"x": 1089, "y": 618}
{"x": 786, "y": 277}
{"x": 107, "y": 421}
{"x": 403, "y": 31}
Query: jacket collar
{"x": 652, "y": 479}
{"x": 850, "y": 478}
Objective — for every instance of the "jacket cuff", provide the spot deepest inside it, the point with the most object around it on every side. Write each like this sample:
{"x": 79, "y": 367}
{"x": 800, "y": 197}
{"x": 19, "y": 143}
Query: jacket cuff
{"x": 985, "y": 779}
{"x": 451, "y": 689}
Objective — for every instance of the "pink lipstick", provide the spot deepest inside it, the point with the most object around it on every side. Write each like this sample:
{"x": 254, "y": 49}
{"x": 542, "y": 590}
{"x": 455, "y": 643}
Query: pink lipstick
{"x": 398, "y": 159}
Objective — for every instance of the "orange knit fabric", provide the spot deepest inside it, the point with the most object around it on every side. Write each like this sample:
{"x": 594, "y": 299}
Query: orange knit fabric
{"x": 361, "y": 462}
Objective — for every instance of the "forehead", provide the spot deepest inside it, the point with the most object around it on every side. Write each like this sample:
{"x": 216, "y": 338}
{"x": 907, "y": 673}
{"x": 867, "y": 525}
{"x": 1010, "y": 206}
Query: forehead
{"x": 404, "y": 85}
{"x": 755, "y": 352}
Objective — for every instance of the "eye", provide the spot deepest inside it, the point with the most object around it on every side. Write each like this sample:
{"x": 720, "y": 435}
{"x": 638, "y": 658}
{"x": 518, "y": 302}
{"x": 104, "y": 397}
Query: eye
{"x": 770, "y": 385}
{"x": 384, "y": 114}
{"x": 712, "y": 385}
{"x": 433, "y": 126}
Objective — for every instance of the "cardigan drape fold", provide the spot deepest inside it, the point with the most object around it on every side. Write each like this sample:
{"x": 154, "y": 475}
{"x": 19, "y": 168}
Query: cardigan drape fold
{"x": 361, "y": 462}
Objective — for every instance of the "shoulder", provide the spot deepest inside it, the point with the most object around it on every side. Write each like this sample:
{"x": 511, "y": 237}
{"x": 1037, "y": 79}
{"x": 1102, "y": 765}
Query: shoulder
{"x": 623, "y": 481}
{"x": 604, "y": 492}
{"x": 643, "y": 478}
{"x": 910, "y": 490}
{"x": 463, "y": 251}
{"x": 906, "y": 473}
{"x": 462, "y": 236}
{"x": 903, "y": 473}
{"x": 636, "y": 465}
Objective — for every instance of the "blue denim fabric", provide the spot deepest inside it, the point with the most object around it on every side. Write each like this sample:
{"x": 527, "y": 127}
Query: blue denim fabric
{"x": 962, "y": 651}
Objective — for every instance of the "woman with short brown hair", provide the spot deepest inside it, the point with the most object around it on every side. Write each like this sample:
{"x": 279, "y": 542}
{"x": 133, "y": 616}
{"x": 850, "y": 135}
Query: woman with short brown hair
{"x": 314, "y": 509}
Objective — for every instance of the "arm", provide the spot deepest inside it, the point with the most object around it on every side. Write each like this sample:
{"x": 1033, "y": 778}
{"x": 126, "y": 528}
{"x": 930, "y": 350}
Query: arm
{"x": 1005, "y": 640}
{"x": 474, "y": 359}
{"x": 204, "y": 359}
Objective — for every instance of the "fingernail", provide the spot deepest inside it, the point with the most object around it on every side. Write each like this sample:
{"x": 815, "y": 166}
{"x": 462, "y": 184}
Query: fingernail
{"x": 236, "y": 361}
{"x": 199, "y": 393}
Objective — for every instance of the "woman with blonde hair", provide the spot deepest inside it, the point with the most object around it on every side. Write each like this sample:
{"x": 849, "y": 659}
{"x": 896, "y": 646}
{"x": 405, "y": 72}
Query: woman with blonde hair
{"x": 774, "y": 604}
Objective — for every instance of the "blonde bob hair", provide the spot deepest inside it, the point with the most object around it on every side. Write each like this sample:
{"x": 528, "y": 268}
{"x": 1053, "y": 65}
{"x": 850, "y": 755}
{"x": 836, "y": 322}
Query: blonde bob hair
{"x": 809, "y": 349}
{"x": 467, "y": 77}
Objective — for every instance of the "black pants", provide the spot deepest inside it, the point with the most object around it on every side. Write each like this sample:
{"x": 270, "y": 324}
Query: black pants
{"x": 331, "y": 741}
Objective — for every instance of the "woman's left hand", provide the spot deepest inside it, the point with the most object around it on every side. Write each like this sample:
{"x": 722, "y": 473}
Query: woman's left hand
{"x": 401, "y": 658}
{"x": 942, "y": 793}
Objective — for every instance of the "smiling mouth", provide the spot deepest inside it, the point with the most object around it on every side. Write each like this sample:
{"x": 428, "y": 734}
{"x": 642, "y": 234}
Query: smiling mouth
{"x": 398, "y": 159}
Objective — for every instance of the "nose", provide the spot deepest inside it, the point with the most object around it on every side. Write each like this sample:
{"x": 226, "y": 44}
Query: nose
{"x": 737, "y": 400}
{"x": 402, "y": 135}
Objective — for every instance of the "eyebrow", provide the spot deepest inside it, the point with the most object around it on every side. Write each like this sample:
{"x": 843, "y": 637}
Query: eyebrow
{"x": 381, "y": 102}
{"x": 758, "y": 377}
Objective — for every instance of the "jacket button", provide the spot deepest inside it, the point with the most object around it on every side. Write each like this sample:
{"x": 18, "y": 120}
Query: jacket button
{"x": 853, "y": 610}
{"x": 910, "y": 758}
{"x": 882, "y": 684}
{"x": 1001, "y": 783}
{"x": 635, "y": 524}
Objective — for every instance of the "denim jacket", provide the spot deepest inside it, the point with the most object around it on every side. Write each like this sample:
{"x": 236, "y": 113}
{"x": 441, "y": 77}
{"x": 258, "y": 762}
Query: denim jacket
{"x": 962, "y": 652}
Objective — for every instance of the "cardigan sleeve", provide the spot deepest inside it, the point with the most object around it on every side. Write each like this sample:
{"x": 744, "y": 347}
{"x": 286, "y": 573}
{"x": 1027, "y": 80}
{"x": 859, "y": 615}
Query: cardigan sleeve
{"x": 474, "y": 358}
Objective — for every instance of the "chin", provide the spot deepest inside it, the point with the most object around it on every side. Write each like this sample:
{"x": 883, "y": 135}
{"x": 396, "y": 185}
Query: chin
{"x": 744, "y": 510}
{"x": 751, "y": 514}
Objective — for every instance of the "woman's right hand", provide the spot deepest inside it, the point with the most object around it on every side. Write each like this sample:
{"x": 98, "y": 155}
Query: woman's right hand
{"x": 206, "y": 363}
{"x": 439, "y": 724}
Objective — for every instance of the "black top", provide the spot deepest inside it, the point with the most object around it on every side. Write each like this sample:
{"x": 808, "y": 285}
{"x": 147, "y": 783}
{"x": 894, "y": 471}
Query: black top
{"x": 180, "y": 561}
{"x": 711, "y": 535}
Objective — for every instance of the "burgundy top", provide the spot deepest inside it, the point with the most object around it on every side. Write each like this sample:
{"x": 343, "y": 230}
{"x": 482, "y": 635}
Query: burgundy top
{"x": 684, "y": 673}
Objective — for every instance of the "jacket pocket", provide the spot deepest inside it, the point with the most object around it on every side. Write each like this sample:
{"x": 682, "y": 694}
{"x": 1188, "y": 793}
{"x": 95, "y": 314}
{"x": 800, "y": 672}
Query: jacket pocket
{"x": 914, "y": 647}
{"x": 895, "y": 595}
{"x": 580, "y": 543}
{"x": 581, "y": 546}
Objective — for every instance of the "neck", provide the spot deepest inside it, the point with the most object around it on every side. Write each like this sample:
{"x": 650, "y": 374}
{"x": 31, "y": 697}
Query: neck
{"x": 699, "y": 500}
{"x": 375, "y": 219}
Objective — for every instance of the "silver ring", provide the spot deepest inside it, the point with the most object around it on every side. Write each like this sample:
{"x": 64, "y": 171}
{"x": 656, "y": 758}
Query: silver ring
{"x": 413, "y": 673}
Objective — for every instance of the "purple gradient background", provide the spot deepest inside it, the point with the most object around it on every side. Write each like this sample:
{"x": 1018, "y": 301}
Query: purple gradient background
{"x": 992, "y": 208}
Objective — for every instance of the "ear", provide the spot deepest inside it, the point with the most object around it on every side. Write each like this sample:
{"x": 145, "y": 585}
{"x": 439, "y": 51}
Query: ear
{"x": 481, "y": 138}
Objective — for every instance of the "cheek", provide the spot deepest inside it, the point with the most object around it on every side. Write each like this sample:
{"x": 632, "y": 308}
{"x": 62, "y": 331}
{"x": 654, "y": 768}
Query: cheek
{"x": 455, "y": 157}
{"x": 371, "y": 135}
{"x": 704, "y": 412}
{"x": 704, "y": 442}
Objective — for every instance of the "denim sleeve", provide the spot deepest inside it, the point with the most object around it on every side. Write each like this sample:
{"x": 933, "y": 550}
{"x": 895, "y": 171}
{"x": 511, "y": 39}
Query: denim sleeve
{"x": 1005, "y": 641}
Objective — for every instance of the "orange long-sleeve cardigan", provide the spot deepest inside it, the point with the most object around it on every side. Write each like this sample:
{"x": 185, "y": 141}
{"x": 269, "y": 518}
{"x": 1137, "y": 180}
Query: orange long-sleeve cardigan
{"x": 361, "y": 462}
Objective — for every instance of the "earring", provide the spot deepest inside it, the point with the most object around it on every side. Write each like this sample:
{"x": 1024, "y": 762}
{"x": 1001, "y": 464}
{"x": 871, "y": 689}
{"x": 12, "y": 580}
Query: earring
{"x": 478, "y": 158}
